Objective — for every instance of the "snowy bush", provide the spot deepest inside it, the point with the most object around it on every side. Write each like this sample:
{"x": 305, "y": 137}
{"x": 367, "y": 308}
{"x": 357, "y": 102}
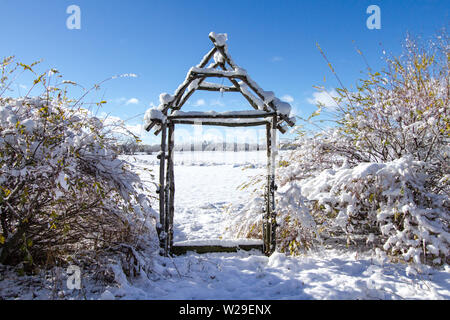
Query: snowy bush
{"x": 390, "y": 205}
{"x": 387, "y": 202}
{"x": 312, "y": 154}
{"x": 401, "y": 111}
{"x": 296, "y": 231}
{"x": 248, "y": 223}
{"x": 62, "y": 187}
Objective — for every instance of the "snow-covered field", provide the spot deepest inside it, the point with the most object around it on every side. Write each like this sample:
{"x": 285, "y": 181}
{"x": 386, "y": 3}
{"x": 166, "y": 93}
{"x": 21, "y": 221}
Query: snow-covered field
{"x": 207, "y": 189}
{"x": 206, "y": 192}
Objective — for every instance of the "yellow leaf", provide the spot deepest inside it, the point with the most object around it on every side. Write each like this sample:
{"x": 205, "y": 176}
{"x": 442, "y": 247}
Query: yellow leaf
{"x": 25, "y": 67}
{"x": 7, "y": 191}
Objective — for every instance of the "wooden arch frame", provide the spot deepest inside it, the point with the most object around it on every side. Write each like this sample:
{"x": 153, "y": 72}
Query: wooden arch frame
{"x": 269, "y": 111}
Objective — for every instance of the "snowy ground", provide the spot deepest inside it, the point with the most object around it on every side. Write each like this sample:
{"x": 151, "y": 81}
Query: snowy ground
{"x": 206, "y": 191}
{"x": 329, "y": 274}
{"x": 206, "y": 185}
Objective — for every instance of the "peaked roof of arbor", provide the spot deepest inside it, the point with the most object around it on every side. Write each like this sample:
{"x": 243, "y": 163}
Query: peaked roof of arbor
{"x": 221, "y": 66}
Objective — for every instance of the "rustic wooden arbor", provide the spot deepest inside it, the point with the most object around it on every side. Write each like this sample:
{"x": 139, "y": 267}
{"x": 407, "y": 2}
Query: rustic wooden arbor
{"x": 269, "y": 111}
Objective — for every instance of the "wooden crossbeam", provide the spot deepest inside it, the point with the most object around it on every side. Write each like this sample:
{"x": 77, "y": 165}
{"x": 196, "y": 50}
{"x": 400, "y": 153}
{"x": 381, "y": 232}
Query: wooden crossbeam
{"x": 222, "y": 124}
{"x": 218, "y": 74}
{"x": 183, "y": 98}
{"x": 204, "y": 115}
{"x": 213, "y": 87}
{"x": 178, "y": 250}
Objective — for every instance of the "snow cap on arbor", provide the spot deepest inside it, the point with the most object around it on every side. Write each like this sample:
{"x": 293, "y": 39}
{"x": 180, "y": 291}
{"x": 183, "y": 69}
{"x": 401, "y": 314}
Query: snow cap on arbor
{"x": 165, "y": 98}
{"x": 219, "y": 39}
{"x": 221, "y": 66}
{"x": 154, "y": 114}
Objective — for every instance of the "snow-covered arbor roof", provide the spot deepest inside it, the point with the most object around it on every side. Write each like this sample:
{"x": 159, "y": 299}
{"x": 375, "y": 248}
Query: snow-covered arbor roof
{"x": 221, "y": 66}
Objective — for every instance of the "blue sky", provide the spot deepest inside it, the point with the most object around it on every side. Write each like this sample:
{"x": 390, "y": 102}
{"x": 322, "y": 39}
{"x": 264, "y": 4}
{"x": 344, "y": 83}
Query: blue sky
{"x": 275, "y": 41}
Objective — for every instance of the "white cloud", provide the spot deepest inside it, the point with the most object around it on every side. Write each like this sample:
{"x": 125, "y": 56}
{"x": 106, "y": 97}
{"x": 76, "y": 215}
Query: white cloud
{"x": 324, "y": 98}
{"x": 125, "y": 101}
{"x": 132, "y": 101}
{"x": 276, "y": 59}
{"x": 287, "y": 98}
{"x": 199, "y": 102}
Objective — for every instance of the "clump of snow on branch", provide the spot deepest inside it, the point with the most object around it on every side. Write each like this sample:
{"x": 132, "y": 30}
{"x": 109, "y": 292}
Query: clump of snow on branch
{"x": 282, "y": 107}
{"x": 165, "y": 98}
{"x": 154, "y": 114}
{"x": 219, "y": 38}
{"x": 218, "y": 57}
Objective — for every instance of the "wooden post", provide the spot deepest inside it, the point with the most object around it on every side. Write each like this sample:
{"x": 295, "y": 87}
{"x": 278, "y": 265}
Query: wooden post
{"x": 274, "y": 152}
{"x": 267, "y": 209}
{"x": 171, "y": 186}
{"x": 162, "y": 191}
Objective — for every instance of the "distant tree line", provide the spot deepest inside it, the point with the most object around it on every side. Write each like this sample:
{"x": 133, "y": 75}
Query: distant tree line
{"x": 133, "y": 147}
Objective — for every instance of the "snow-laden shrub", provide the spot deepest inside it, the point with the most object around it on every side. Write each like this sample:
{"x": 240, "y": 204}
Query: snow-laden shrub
{"x": 312, "y": 154}
{"x": 296, "y": 230}
{"x": 388, "y": 202}
{"x": 248, "y": 222}
{"x": 63, "y": 188}
{"x": 402, "y": 110}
